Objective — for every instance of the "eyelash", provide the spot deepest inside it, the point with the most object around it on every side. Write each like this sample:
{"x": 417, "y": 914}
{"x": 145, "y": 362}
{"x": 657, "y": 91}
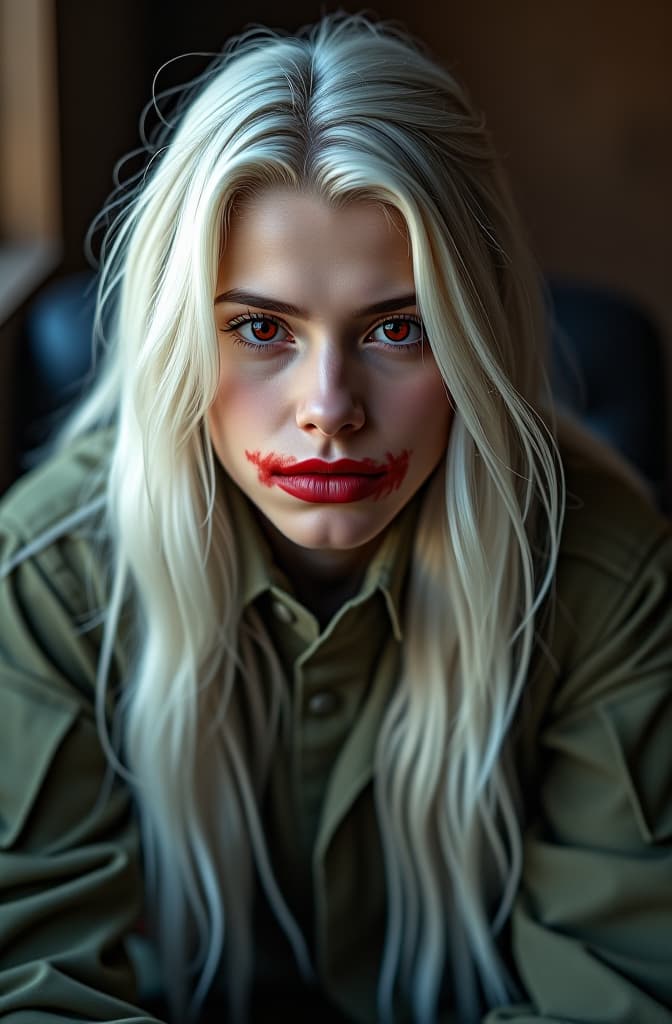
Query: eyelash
{"x": 249, "y": 317}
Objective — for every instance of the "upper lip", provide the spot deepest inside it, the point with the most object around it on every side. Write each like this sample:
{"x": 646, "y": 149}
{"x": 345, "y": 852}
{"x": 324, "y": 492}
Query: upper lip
{"x": 362, "y": 467}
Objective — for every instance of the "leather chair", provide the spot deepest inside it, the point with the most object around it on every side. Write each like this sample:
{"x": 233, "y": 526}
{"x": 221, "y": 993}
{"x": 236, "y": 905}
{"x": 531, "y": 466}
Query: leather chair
{"x": 608, "y": 367}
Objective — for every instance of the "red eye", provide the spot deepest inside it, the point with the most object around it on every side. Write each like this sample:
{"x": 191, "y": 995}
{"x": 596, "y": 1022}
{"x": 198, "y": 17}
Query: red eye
{"x": 396, "y": 330}
{"x": 263, "y": 329}
{"x": 258, "y": 331}
{"x": 402, "y": 332}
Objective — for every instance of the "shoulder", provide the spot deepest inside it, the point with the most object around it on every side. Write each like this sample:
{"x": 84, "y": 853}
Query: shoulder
{"x": 611, "y": 523}
{"x": 595, "y": 764}
{"x": 52, "y": 575}
{"x": 67, "y": 831}
{"x": 56, "y": 488}
{"x": 610, "y": 616}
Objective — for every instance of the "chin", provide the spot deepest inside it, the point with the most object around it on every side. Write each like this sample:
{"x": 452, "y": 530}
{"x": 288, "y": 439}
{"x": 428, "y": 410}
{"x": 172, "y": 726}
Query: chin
{"x": 332, "y": 530}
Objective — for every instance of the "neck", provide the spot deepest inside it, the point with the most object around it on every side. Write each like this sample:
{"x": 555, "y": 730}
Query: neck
{"x": 324, "y": 579}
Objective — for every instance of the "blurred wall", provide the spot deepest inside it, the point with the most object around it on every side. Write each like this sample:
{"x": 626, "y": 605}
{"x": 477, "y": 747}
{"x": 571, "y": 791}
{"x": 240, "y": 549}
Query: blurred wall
{"x": 579, "y": 97}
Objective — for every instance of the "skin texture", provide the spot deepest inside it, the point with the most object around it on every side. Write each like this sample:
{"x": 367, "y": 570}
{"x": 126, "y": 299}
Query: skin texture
{"x": 328, "y": 380}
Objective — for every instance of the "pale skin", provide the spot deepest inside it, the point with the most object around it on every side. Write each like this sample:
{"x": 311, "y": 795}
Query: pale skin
{"x": 322, "y": 355}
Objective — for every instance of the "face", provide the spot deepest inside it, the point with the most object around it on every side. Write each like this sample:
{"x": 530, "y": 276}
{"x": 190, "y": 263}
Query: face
{"x": 330, "y": 411}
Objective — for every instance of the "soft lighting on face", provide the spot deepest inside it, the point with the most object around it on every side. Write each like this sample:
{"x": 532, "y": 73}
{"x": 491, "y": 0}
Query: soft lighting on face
{"x": 324, "y": 368}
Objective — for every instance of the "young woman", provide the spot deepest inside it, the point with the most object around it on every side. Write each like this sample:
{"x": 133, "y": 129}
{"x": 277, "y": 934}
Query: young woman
{"x": 311, "y": 676}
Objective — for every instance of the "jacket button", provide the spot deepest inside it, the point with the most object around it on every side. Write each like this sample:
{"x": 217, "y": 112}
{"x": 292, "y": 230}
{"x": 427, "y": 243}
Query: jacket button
{"x": 283, "y": 613}
{"x": 324, "y": 703}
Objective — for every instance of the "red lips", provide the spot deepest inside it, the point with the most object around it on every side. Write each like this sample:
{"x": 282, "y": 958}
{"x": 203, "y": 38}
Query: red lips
{"x": 362, "y": 467}
{"x": 338, "y": 481}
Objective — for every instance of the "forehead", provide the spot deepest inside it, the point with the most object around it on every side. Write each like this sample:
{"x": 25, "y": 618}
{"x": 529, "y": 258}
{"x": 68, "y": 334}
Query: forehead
{"x": 288, "y": 240}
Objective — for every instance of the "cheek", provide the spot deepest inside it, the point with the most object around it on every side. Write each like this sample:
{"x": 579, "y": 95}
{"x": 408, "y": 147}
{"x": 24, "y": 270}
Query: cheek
{"x": 229, "y": 419}
{"x": 237, "y": 407}
{"x": 422, "y": 406}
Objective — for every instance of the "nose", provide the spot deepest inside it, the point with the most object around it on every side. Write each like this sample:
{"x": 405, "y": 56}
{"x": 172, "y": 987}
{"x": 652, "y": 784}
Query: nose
{"x": 329, "y": 401}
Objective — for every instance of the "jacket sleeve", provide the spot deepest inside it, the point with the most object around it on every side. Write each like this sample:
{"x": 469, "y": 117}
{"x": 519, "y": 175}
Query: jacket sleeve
{"x": 591, "y": 929}
{"x": 70, "y": 888}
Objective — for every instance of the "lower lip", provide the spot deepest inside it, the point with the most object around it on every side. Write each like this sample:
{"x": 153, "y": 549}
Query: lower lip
{"x": 323, "y": 488}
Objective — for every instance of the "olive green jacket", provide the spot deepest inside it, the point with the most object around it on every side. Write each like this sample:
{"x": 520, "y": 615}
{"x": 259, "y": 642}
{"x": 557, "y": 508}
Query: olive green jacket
{"x": 590, "y": 935}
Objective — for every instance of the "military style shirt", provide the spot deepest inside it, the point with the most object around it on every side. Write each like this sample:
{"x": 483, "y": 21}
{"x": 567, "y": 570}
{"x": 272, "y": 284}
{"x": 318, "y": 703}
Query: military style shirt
{"x": 590, "y": 935}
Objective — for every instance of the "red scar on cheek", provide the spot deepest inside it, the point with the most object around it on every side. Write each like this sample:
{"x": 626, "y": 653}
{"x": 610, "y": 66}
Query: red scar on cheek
{"x": 382, "y": 477}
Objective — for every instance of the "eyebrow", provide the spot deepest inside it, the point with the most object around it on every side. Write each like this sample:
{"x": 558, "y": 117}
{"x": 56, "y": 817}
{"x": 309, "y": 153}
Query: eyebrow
{"x": 244, "y": 298}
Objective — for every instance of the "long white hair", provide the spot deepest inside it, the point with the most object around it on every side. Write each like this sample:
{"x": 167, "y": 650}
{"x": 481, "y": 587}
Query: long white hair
{"x": 347, "y": 109}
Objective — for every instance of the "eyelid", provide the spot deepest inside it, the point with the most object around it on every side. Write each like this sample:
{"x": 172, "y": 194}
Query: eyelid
{"x": 246, "y": 318}
{"x": 414, "y": 317}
